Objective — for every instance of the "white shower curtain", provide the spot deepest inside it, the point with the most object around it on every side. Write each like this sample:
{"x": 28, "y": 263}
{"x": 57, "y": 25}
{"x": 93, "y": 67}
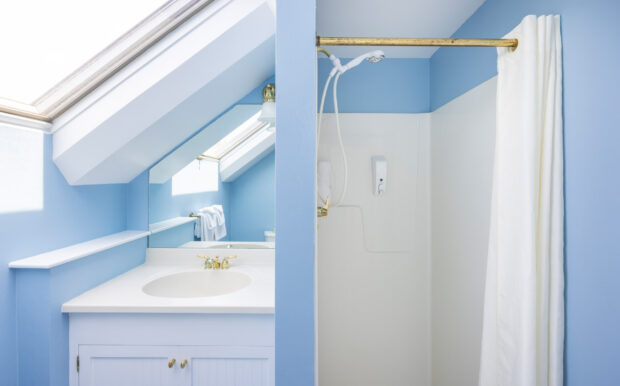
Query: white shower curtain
{"x": 523, "y": 333}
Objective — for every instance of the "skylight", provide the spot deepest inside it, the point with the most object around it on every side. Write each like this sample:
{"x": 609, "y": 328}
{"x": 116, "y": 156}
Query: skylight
{"x": 235, "y": 138}
{"x": 56, "y": 52}
{"x": 44, "y": 41}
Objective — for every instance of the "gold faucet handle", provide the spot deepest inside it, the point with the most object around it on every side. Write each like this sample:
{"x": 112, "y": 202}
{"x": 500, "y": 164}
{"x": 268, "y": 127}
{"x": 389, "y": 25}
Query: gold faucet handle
{"x": 225, "y": 262}
{"x": 208, "y": 261}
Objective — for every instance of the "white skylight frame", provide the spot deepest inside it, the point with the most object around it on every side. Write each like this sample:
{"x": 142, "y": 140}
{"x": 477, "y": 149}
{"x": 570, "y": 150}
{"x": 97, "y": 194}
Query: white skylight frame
{"x": 107, "y": 63}
{"x": 235, "y": 138}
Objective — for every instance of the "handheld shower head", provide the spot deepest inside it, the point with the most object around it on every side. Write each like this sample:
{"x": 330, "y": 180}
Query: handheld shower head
{"x": 339, "y": 69}
{"x": 372, "y": 57}
{"x": 376, "y": 57}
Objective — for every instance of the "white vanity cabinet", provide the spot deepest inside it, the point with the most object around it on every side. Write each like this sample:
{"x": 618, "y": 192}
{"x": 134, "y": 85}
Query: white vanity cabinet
{"x": 171, "y": 349}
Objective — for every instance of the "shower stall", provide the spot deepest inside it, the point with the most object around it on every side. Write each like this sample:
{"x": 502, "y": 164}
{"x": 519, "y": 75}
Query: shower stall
{"x": 400, "y": 276}
{"x": 439, "y": 262}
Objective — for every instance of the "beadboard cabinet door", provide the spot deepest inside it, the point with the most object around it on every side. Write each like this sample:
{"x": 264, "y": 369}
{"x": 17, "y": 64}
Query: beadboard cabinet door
{"x": 230, "y": 366}
{"x": 128, "y": 366}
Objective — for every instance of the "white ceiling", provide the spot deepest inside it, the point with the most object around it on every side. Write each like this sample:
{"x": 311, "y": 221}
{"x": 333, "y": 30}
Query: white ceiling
{"x": 392, "y": 18}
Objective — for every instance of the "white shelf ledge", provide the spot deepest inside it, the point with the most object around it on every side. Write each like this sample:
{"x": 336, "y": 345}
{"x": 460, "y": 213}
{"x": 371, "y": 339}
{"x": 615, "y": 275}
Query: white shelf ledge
{"x": 157, "y": 227}
{"x": 74, "y": 252}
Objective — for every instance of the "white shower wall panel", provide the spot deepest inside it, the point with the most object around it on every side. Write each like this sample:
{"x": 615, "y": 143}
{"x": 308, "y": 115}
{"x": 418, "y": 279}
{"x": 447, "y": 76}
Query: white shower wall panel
{"x": 462, "y": 146}
{"x": 373, "y": 255}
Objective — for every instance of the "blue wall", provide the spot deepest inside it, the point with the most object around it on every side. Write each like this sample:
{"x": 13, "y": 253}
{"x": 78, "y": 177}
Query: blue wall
{"x": 253, "y": 202}
{"x": 591, "y": 138}
{"x": 390, "y": 86}
{"x": 173, "y": 237}
{"x": 295, "y": 191}
{"x": 70, "y": 214}
{"x": 137, "y": 213}
{"x": 454, "y": 71}
{"x": 43, "y": 332}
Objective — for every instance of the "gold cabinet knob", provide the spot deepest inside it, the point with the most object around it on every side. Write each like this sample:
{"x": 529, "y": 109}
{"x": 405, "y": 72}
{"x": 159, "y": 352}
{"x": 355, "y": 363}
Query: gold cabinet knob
{"x": 184, "y": 363}
{"x": 171, "y": 363}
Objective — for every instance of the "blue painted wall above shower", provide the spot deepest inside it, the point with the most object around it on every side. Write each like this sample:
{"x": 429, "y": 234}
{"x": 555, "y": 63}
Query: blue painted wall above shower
{"x": 390, "y": 86}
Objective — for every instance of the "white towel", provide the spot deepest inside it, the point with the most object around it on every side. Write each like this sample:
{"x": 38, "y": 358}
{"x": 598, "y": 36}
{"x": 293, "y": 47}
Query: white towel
{"x": 211, "y": 224}
{"x": 219, "y": 229}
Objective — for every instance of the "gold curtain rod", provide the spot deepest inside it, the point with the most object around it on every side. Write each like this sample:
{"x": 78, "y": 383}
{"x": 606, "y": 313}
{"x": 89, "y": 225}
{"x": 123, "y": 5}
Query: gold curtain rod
{"x": 415, "y": 42}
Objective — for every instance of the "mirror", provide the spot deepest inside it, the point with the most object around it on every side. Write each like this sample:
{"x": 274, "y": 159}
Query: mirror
{"x": 217, "y": 189}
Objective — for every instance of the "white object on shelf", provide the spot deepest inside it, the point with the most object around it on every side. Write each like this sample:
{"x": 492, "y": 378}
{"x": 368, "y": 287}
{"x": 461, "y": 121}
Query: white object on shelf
{"x": 161, "y": 226}
{"x": 379, "y": 174}
{"x": 270, "y": 236}
{"x": 74, "y": 252}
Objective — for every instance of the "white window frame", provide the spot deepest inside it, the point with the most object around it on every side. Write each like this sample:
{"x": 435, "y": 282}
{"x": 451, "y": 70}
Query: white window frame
{"x": 253, "y": 126}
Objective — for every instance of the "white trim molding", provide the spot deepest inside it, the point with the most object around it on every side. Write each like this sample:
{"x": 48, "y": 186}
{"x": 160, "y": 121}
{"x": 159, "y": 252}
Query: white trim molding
{"x": 24, "y": 123}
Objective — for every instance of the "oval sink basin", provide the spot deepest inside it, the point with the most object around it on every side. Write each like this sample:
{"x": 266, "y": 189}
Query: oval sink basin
{"x": 197, "y": 284}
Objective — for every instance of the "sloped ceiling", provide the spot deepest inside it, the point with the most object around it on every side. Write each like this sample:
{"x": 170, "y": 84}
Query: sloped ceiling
{"x": 392, "y": 18}
{"x": 166, "y": 95}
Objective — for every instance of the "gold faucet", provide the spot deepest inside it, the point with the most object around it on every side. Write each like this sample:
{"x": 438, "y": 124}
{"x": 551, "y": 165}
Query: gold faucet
{"x": 216, "y": 263}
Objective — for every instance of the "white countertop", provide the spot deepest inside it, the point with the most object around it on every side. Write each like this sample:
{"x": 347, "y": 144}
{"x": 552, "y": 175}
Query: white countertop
{"x": 124, "y": 294}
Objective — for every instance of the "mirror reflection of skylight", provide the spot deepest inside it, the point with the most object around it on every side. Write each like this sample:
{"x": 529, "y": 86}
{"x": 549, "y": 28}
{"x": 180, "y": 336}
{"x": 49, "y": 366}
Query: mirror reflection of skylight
{"x": 235, "y": 137}
{"x": 45, "y": 41}
{"x": 245, "y": 147}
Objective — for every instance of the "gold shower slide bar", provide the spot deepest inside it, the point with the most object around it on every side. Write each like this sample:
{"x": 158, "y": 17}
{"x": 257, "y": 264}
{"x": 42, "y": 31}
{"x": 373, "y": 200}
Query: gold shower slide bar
{"x": 415, "y": 42}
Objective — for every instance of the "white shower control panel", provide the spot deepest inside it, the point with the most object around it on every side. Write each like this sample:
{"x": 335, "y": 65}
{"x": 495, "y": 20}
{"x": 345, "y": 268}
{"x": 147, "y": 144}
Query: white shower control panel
{"x": 379, "y": 174}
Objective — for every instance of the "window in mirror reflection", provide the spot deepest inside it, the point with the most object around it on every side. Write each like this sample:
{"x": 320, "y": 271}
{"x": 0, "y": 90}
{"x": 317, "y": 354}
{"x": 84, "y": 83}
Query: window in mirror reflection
{"x": 235, "y": 137}
{"x": 198, "y": 176}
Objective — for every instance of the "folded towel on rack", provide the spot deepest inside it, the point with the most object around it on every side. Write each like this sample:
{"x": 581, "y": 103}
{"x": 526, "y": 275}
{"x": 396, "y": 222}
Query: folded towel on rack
{"x": 211, "y": 224}
{"x": 219, "y": 228}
